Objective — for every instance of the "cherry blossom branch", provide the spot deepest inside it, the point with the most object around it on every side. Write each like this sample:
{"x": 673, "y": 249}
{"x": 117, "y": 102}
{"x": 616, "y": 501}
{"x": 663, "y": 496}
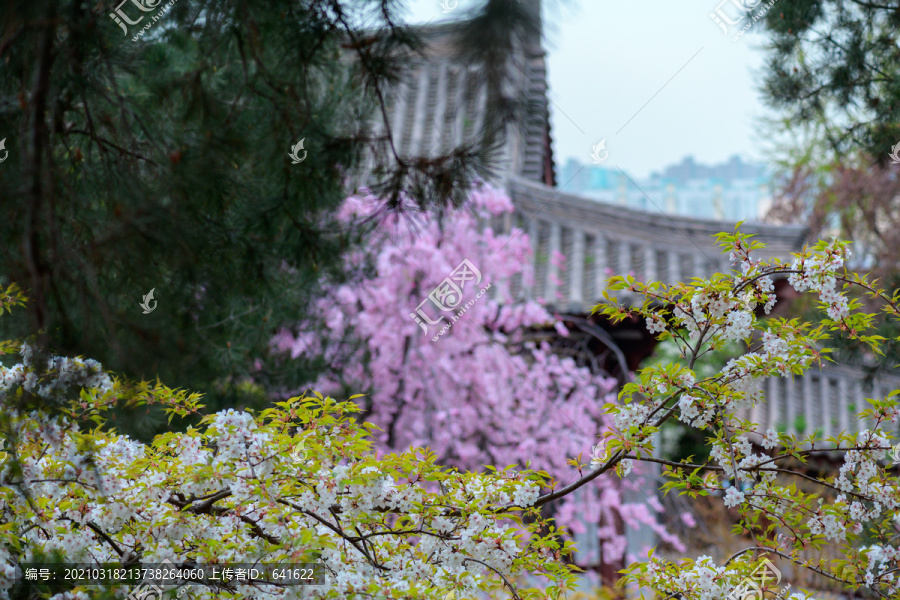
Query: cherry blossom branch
{"x": 337, "y": 530}
{"x": 738, "y": 553}
{"x": 106, "y": 538}
{"x": 610, "y": 463}
{"x": 873, "y": 291}
{"x": 512, "y": 590}
{"x": 754, "y": 468}
{"x": 819, "y": 451}
{"x": 204, "y": 507}
{"x": 57, "y": 480}
{"x": 258, "y": 531}
{"x": 755, "y": 278}
{"x": 806, "y": 565}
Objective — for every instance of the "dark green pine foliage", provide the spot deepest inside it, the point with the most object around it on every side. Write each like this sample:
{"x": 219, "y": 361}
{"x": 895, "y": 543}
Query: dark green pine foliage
{"x": 833, "y": 73}
{"x": 838, "y": 61}
{"x": 162, "y": 164}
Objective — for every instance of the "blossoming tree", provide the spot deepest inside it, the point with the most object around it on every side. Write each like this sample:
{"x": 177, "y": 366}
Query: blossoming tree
{"x": 297, "y": 483}
{"x": 854, "y": 511}
{"x": 300, "y": 482}
{"x": 467, "y": 386}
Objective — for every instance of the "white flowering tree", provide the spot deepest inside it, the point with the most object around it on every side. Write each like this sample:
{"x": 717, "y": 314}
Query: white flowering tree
{"x": 299, "y": 482}
{"x": 853, "y": 511}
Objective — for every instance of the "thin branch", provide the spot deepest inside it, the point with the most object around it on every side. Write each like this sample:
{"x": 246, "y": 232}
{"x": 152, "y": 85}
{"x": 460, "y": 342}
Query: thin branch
{"x": 512, "y": 590}
{"x": 106, "y": 538}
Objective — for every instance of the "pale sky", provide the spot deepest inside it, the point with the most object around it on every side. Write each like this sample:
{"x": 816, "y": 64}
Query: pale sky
{"x": 608, "y": 58}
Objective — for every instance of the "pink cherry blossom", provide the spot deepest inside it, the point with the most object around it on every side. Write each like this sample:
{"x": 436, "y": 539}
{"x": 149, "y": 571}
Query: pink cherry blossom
{"x": 476, "y": 392}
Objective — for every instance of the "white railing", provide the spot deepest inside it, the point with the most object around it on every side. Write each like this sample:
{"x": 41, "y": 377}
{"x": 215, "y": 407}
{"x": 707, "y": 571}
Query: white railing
{"x": 597, "y": 240}
{"x": 827, "y": 400}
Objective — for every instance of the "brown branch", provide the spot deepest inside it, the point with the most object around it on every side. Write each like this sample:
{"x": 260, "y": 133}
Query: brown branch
{"x": 610, "y": 463}
{"x": 336, "y": 530}
{"x": 205, "y": 507}
{"x": 512, "y": 590}
{"x": 258, "y": 531}
{"x": 96, "y": 137}
{"x": 106, "y": 538}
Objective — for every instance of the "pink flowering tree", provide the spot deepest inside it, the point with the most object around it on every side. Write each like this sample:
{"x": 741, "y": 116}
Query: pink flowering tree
{"x": 464, "y": 381}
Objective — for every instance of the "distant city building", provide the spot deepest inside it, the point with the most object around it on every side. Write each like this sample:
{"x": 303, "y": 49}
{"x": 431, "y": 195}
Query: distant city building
{"x": 732, "y": 191}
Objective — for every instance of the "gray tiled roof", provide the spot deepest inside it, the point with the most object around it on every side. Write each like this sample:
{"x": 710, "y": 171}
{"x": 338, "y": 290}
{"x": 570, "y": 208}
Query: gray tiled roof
{"x": 440, "y": 104}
